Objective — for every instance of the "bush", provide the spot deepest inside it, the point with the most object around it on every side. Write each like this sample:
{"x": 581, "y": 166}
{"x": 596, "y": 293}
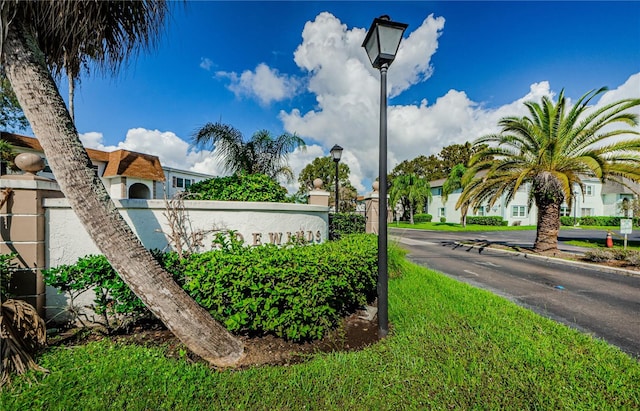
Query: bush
{"x": 346, "y": 223}
{"x": 443, "y": 219}
{"x": 7, "y": 267}
{"x": 633, "y": 258}
{"x": 486, "y": 220}
{"x": 599, "y": 256}
{"x": 566, "y": 221}
{"x": 240, "y": 187}
{"x": 422, "y": 218}
{"x": 114, "y": 300}
{"x": 296, "y": 292}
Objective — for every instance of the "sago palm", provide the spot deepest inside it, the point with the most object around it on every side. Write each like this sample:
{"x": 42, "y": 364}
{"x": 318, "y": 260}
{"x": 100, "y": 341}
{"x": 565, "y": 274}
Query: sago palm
{"x": 36, "y": 39}
{"x": 263, "y": 154}
{"x": 553, "y": 149}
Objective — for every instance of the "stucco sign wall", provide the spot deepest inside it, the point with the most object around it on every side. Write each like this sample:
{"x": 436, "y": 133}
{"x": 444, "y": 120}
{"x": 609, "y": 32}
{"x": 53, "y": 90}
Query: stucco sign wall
{"x": 254, "y": 223}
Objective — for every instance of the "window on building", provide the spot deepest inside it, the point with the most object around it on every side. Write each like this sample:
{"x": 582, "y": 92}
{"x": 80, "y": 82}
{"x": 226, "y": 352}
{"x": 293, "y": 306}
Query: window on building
{"x": 480, "y": 212}
{"x": 188, "y": 182}
{"x": 437, "y": 191}
{"x": 519, "y": 211}
{"x": 565, "y": 211}
{"x": 586, "y": 212}
{"x": 588, "y": 190}
{"x": 441, "y": 212}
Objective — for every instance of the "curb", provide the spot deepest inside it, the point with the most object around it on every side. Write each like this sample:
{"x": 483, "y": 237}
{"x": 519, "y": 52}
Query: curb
{"x": 614, "y": 270}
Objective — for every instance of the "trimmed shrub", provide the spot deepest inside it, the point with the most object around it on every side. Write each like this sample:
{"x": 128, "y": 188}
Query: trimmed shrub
{"x": 486, "y": 220}
{"x": 599, "y": 256}
{"x": 443, "y": 219}
{"x": 296, "y": 292}
{"x": 566, "y": 221}
{"x": 240, "y": 187}
{"x": 633, "y": 258}
{"x": 422, "y": 218}
{"x": 346, "y": 223}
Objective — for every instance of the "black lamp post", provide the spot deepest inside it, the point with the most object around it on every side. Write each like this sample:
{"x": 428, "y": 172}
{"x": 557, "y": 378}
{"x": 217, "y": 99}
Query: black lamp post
{"x": 381, "y": 43}
{"x": 336, "y": 153}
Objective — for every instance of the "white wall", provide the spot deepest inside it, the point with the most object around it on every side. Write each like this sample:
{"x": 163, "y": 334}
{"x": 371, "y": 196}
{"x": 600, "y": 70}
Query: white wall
{"x": 69, "y": 241}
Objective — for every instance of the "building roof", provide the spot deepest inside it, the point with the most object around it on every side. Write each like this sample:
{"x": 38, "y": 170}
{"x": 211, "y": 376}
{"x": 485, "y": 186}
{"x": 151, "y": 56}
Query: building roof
{"x": 120, "y": 163}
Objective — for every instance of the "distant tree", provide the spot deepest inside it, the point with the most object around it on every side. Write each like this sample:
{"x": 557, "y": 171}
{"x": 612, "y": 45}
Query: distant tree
{"x": 412, "y": 191}
{"x": 451, "y": 156}
{"x": 453, "y": 183}
{"x": 263, "y": 154}
{"x": 552, "y": 149}
{"x": 325, "y": 169}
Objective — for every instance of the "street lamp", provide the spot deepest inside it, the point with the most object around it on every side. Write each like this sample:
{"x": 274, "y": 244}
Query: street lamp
{"x": 336, "y": 153}
{"x": 381, "y": 43}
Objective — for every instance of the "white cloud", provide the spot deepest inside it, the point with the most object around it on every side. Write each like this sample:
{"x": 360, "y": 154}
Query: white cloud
{"x": 347, "y": 96}
{"x": 171, "y": 149}
{"x": 264, "y": 84}
{"x": 206, "y": 63}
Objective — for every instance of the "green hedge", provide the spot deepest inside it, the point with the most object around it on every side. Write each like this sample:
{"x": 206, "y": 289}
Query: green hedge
{"x": 422, "y": 218}
{"x": 487, "y": 220}
{"x": 297, "y": 292}
{"x": 346, "y": 223}
{"x": 603, "y": 221}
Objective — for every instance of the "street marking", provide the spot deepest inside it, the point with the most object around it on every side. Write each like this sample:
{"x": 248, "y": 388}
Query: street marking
{"x": 488, "y": 263}
{"x": 409, "y": 241}
{"x": 471, "y": 272}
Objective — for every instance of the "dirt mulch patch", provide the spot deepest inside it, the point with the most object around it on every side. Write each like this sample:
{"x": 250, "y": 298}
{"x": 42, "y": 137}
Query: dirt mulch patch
{"x": 353, "y": 333}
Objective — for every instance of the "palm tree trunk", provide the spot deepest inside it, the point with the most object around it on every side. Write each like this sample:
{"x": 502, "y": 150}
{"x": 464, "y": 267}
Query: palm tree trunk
{"x": 54, "y": 128}
{"x": 411, "y": 213}
{"x": 548, "y": 226}
{"x": 463, "y": 214}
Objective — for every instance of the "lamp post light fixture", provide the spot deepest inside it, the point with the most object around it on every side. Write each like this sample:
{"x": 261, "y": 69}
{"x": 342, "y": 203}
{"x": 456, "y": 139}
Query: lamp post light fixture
{"x": 381, "y": 43}
{"x": 336, "y": 154}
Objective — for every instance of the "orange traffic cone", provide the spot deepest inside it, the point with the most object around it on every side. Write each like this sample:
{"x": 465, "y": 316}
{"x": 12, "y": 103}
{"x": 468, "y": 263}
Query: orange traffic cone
{"x": 609, "y": 241}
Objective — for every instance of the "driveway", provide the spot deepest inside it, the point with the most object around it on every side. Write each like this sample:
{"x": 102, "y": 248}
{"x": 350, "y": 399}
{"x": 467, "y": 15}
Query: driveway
{"x": 601, "y": 303}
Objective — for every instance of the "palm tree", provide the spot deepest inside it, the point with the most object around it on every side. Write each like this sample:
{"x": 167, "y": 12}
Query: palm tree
{"x": 411, "y": 190}
{"x": 553, "y": 149}
{"x": 453, "y": 183}
{"x": 261, "y": 155}
{"x": 38, "y": 35}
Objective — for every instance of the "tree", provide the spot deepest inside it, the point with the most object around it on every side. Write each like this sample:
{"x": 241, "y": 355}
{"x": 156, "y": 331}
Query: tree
{"x": 261, "y": 155}
{"x": 552, "y": 149}
{"x": 412, "y": 191}
{"x": 325, "y": 169}
{"x": 453, "y": 183}
{"x": 423, "y": 167}
{"x": 35, "y": 34}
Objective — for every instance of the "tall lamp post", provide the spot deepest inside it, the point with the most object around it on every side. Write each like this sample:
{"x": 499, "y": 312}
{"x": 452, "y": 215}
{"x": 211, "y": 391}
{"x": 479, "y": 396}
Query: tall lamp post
{"x": 336, "y": 153}
{"x": 381, "y": 43}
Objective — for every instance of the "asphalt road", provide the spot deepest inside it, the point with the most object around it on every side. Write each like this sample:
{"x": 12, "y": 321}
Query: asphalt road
{"x": 603, "y": 304}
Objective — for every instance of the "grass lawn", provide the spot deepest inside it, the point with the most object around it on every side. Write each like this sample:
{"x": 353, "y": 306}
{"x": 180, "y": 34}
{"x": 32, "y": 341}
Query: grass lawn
{"x": 451, "y": 347}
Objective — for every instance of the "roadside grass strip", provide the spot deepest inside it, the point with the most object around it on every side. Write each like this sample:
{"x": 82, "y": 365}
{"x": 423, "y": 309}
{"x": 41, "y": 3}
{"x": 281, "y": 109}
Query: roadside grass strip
{"x": 451, "y": 346}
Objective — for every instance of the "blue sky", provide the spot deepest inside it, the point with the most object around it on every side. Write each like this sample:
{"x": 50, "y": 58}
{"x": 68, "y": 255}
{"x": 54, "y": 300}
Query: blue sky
{"x": 298, "y": 67}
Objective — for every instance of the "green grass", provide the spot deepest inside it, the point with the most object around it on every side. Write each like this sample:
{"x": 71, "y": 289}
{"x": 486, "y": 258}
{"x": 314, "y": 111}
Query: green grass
{"x": 451, "y": 346}
{"x": 435, "y": 226}
{"x": 600, "y": 243}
